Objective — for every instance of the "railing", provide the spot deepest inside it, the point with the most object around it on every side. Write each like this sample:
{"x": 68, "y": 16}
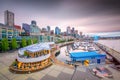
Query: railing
{"x": 27, "y": 60}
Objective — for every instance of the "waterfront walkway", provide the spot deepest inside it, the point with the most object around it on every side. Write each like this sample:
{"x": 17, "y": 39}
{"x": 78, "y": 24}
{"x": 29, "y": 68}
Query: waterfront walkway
{"x": 54, "y": 72}
{"x": 110, "y": 51}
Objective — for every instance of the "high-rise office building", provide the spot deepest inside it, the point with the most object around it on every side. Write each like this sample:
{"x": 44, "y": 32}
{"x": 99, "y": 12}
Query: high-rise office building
{"x": 33, "y": 23}
{"x": 57, "y": 31}
{"x": 48, "y": 28}
{"x": 51, "y": 32}
{"x": 76, "y": 31}
{"x": 68, "y": 30}
{"x": 73, "y": 29}
{"x": 9, "y": 18}
{"x": 81, "y": 33}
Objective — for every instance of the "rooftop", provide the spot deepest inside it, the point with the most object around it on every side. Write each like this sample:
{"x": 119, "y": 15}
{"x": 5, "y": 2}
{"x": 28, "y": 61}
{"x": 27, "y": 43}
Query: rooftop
{"x": 85, "y": 54}
{"x": 36, "y": 47}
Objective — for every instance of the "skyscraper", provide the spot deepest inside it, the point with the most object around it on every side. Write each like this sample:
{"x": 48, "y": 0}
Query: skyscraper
{"x": 68, "y": 30}
{"x": 33, "y": 23}
{"x": 9, "y": 18}
{"x": 81, "y": 34}
{"x": 76, "y": 31}
{"x": 57, "y": 31}
{"x": 48, "y": 28}
{"x": 73, "y": 30}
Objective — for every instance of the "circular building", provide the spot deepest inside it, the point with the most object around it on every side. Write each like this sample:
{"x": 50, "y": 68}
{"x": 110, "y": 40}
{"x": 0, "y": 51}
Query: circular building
{"x": 32, "y": 58}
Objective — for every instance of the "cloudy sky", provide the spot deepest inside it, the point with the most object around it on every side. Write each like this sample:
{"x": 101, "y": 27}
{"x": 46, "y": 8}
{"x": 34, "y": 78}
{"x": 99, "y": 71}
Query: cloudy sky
{"x": 84, "y": 15}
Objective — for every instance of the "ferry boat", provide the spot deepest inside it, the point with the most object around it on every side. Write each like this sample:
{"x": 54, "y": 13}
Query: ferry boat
{"x": 33, "y": 58}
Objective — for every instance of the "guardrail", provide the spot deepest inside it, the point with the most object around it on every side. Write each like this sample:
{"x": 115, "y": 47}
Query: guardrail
{"x": 27, "y": 60}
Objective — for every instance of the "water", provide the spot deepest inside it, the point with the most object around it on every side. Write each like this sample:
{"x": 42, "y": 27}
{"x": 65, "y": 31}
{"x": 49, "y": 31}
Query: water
{"x": 105, "y": 34}
{"x": 62, "y": 56}
{"x": 114, "y": 44}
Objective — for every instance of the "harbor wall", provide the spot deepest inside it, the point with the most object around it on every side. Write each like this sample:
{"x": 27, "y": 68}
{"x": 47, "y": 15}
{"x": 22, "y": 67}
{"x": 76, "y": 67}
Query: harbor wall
{"x": 110, "y": 51}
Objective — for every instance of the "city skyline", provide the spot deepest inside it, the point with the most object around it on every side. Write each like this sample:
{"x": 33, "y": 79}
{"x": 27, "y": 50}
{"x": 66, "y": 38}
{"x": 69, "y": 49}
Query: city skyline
{"x": 86, "y": 16}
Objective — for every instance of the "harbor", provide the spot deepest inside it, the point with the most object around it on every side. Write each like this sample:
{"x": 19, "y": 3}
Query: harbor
{"x": 59, "y": 67}
{"x": 60, "y": 40}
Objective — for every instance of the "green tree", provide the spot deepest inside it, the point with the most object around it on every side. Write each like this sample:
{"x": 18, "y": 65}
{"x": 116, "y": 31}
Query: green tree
{"x": 4, "y": 44}
{"x": 0, "y": 46}
{"x": 35, "y": 40}
{"x": 23, "y": 42}
{"x": 13, "y": 43}
{"x": 29, "y": 42}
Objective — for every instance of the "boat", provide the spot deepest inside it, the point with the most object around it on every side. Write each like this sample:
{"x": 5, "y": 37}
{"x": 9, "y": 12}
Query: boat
{"x": 101, "y": 72}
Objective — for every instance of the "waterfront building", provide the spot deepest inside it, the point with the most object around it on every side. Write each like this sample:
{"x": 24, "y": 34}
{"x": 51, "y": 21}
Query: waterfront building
{"x": 26, "y": 28}
{"x": 5, "y": 31}
{"x": 33, "y": 58}
{"x": 34, "y": 29}
{"x": 88, "y": 57}
{"x": 9, "y": 30}
{"x": 17, "y": 30}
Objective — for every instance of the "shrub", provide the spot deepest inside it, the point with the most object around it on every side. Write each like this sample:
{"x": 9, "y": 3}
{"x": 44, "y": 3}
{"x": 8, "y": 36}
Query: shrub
{"x": 13, "y": 43}
{"x": 4, "y": 44}
{"x": 29, "y": 42}
{"x": 23, "y": 42}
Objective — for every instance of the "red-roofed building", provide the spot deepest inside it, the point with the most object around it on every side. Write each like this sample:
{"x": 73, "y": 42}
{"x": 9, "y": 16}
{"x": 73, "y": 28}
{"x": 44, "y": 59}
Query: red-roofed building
{"x": 18, "y": 29}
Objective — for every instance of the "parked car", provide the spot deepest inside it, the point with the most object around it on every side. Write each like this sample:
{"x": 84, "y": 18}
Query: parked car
{"x": 101, "y": 72}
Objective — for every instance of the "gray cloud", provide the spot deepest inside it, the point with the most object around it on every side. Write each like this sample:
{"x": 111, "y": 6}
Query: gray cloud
{"x": 100, "y": 13}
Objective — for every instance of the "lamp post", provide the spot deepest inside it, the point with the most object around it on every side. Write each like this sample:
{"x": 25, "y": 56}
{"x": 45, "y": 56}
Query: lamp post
{"x": 75, "y": 68}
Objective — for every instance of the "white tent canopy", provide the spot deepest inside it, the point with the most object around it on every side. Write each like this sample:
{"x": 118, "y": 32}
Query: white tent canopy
{"x": 36, "y": 47}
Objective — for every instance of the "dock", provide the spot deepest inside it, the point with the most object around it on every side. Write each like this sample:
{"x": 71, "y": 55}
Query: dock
{"x": 110, "y": 51}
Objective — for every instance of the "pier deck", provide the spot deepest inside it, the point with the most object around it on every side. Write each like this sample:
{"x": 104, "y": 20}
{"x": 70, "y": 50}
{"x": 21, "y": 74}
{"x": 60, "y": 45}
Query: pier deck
{"x": 111, "y": 52}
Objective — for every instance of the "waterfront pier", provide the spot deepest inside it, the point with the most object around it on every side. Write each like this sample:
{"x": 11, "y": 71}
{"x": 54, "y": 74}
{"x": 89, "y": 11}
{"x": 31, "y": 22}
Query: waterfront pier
{"x": 115, "y": 54}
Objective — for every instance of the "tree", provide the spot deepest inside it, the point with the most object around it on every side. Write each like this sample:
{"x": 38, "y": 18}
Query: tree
{"x": 4, "y": 44}
{"x": 13, "y": 43}
{"x": 35, "y": 40}
{"x": 23, "y": 42}
{"x": 0, "y": 47}
{"x": 29, "y": 42}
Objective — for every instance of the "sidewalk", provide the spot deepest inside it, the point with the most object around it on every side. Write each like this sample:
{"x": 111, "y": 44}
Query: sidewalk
{"x": 54, "y": 72}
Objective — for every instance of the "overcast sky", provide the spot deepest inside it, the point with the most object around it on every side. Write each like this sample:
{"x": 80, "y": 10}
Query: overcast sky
{"x": 84, "y": 15}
